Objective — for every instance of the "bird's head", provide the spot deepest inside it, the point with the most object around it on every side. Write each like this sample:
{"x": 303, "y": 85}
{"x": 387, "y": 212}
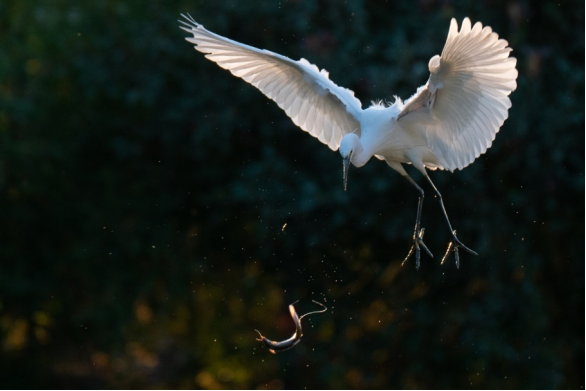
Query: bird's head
{"x": 349, "y": 147}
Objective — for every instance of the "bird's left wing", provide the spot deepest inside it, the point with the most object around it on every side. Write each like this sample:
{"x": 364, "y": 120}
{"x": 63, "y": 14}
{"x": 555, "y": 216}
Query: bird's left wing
{"x": 466, "y": 99}
{"x": 308, "y": 96}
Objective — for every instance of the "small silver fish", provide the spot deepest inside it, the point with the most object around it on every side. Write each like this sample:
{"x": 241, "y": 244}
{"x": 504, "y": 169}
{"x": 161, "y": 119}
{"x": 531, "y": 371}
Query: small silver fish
{"x": 296, "y": 338}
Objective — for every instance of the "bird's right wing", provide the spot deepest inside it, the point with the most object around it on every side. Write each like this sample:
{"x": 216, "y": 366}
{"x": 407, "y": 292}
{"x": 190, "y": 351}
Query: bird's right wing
{"x": 466, "y": 99}
{"x": 308, "y": 96}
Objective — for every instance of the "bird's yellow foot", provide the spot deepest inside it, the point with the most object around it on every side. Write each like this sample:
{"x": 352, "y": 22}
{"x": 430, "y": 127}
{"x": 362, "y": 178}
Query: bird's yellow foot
{"x": 417, "y": 242}
{"x": 453, "y": 245}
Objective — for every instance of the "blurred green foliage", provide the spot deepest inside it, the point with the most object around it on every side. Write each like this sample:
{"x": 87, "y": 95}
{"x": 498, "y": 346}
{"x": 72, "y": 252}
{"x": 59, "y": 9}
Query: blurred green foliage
{"x": 143, "y": 192}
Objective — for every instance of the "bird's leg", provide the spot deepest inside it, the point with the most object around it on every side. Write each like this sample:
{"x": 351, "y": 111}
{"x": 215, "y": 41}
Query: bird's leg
{"x": 418, "y": 234}
{"x": 454, "y": 242}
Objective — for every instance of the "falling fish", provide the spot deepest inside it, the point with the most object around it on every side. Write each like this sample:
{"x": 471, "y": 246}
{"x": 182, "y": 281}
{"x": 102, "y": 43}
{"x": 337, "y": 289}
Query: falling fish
{"x": 296, "y": 338}
{"x": 284, "y": 226}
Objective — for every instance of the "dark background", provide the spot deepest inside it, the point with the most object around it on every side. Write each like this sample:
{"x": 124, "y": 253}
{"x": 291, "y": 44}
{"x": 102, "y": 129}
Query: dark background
{"x": 143, "y": 191}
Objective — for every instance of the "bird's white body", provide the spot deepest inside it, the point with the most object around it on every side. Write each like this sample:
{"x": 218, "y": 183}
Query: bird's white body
{"x": 446, "y": 124}
{"x": 383, "y": 136}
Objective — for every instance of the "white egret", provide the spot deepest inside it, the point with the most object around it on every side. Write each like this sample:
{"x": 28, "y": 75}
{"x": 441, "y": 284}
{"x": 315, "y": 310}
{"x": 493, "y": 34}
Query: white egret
{"x": 446, "y": 124}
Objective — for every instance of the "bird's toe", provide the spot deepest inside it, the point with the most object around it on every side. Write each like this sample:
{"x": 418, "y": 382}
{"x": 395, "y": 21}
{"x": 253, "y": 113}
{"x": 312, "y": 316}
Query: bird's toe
{"x": 454, "y": 244}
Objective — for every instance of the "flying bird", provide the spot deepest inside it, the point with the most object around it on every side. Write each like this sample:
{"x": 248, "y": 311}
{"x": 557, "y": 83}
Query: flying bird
{"x": 446, "y": 124}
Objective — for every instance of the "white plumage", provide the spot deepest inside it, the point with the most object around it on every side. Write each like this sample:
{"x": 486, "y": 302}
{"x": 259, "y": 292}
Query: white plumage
{"x": 446, "y": 124}
{"x": 307, "y": 95}
{"x": 470, "y": 85}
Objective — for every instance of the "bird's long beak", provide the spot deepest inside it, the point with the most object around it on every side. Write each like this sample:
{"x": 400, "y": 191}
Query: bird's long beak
{"x": 346, "y": 167}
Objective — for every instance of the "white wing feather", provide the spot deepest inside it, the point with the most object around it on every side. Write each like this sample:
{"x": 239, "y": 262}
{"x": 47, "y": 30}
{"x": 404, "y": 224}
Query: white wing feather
{"x": 308, "y": 96}
{"x": 467, "y": 95}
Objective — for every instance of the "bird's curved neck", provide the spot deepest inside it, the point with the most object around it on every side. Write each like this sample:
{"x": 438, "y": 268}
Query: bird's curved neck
{"x": 375, "y": 124}
{"x": 360, "y": 155}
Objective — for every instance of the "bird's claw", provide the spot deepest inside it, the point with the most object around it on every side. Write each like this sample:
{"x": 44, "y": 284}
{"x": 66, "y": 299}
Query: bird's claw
{"x": 453, "y": 245}
{"x": 417, "y": 242}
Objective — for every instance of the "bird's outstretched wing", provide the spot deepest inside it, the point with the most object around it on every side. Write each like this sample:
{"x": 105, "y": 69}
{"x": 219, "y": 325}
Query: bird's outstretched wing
{"x": 308, "y": 96}
{"x": 466, "y": 98}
